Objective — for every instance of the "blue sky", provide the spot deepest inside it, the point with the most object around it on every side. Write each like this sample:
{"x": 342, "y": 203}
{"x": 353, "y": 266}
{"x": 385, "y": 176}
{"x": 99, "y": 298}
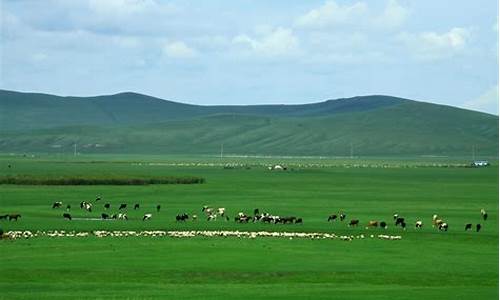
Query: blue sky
{"x": 254, "y": 52}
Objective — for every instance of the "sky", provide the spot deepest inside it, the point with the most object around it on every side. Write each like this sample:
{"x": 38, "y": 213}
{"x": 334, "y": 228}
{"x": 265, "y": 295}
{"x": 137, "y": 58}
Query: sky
{"x": 254, "y": 52}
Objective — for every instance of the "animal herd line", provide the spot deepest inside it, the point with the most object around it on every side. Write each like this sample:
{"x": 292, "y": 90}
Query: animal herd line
{"x": 214, "y": 213}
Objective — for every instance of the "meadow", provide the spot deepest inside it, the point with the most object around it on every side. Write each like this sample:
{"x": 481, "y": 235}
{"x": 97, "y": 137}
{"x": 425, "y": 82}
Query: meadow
{"x": 424, "y": 264}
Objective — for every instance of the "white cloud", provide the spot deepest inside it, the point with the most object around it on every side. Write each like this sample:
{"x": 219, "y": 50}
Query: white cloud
{"x": 178, "y": 50}
{"x": 487, "y": 102}
{"x": 432, "y": 45}
{"x": 393, "y": 15}
{"x": 270, "y": 42}
{"x": 332, "y": 13}
{"x": 358, "y": 15}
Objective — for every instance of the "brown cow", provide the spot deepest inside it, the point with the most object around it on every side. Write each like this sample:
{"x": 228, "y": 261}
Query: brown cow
{"x": 354, "y": 223}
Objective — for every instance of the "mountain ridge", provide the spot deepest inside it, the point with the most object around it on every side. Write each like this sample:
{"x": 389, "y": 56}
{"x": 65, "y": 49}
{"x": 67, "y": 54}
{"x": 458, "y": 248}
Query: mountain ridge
{"x": 139, "y": 123}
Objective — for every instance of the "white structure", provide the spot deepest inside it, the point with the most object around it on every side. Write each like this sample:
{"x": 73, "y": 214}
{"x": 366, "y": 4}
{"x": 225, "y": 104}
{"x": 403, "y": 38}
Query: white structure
{"x": 480, "y": 163}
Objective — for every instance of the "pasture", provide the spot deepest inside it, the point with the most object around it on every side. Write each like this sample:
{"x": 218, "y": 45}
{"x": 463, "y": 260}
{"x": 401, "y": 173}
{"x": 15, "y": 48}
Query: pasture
{"x": 424, "y": 264}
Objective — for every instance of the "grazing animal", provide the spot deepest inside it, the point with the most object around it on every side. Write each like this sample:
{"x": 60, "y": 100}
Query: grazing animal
{"x": 478, "y": 227}
{"x": 212, "y": 217}
{"x": 354, "y": 223}
{"x": 332, "y": 218}
{"x": 107, "y": 206}
{"x": 372, "y": 224}
{"x": 435, "y": 220}
{"x": 242, "y": 218}
{"x": 403, "y": 225}
{"x": 418, "y": 224}
{"x": 342, "y": 217}
{"x": 4, "y": 217}
{"x": 68, "y": 207}
{"x": 57, "y": 204}
{"x": 104, "y": 216}
{"x": 136, "y": 206}
{"x": 182, "y": 217}
{"x": 383, "y": 225}
{"x": 122, "y": 217}
{"x": 221, "y": 211}
{"x": 98, "y": 198}
{"x": 194, "y": 217}
{"x": 484, "y": 214}
{"x": 395, "y": 216}
{"x": 255, "y": 211}
{"x": 298, "y": 221}
{"x": 468, "y": 226}
{"x": 122, "y": 206}
{"x": 67, "y": 216}
{"x": 14, "y": 217}
{"x": 85, "y": 205}
{"x": 399, "y": 221}
{"x": 443, "y": 226}
{"x": 147, "y": 217}
{"x": 158, "y": 208}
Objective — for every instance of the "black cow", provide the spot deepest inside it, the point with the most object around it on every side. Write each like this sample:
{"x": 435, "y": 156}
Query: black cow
{"x": 68, "y": 207}
{"x": 485, "y": 216}
{"x": 4, "y": 217}
{"x": 354, "y": 223}
{"x": 122, "y": 206}
{"x": 383, "y": 225}
{"x": 468, "y": 226}
{"x": 67, "y": 216}
{"x": 256, "y": 211}
{"x": 403, "y": 225}
{"x": 332, "y": 218}
{"x": 478, "y": 227}
{"x": 399, "y": 221}
{"x": 14, "y": 217}
{"x": 57, "y": 204}
{"x": 158, "y": 208}
{"x": 104, "y": 216}
{"x": 342, "y": 217}
{"x": 182, "y": 217}
{"x": 298, "y": 221}
{"x": 107, "y": 206}
{"x": 136, "y": 206}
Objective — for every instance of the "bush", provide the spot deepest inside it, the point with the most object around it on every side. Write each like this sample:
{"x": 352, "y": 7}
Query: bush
{"x": 28, "y": 180}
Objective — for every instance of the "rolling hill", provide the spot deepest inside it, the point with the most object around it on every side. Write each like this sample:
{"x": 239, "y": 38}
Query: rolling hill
{"x": 135, "y": 123}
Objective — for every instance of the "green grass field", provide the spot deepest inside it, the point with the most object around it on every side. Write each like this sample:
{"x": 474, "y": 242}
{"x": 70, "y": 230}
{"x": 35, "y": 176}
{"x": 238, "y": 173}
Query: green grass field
{"x": 425, "y": 264}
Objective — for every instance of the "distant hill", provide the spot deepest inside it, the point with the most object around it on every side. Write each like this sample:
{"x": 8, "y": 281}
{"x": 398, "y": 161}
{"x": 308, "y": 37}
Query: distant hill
{"x": 135, "y": 123}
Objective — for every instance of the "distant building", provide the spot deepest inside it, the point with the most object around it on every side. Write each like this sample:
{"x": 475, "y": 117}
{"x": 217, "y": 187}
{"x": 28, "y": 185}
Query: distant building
{"x": 480, "y": 163}
{"x": 277, "y": 167}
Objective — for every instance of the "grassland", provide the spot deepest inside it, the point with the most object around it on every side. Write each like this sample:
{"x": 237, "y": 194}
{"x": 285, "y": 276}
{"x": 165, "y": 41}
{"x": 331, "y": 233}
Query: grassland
{"x": 423, "y": 265}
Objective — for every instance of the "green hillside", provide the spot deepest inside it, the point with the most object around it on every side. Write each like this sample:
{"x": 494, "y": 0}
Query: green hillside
{"x": 134, "y": 123}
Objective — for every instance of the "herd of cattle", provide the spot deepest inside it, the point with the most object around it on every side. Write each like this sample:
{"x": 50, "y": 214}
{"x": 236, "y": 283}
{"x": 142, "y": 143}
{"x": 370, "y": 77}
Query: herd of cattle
{"x": 212, "y": 214}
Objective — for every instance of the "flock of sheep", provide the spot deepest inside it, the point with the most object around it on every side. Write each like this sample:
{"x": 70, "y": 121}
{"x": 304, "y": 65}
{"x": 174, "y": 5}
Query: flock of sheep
{"x": 189, "y": 234}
